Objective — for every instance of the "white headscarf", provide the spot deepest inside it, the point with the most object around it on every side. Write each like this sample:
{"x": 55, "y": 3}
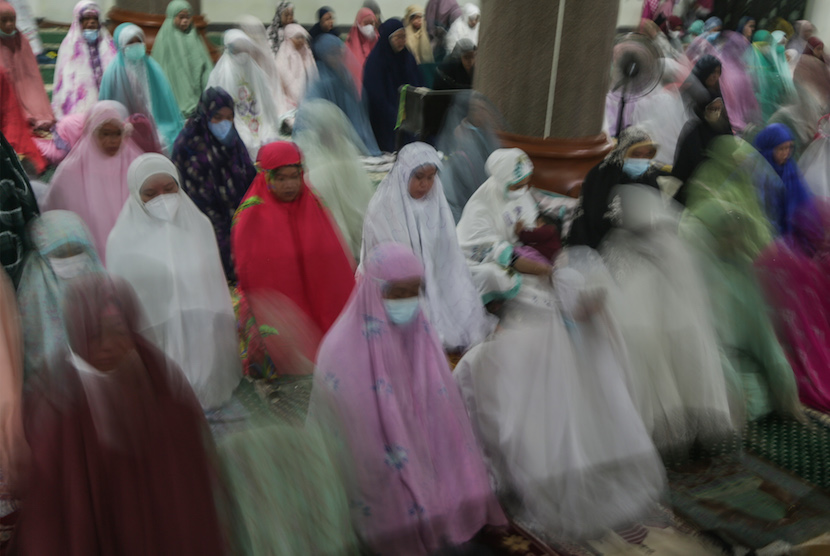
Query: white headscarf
{"x": 175, "y": 269}
{"x": 264, "y": 58}
{"x": 428, "y": 227}
{"x": 460, "y": 28}
{"x": 297, "y": 68}
{"x": 256, "y": 116}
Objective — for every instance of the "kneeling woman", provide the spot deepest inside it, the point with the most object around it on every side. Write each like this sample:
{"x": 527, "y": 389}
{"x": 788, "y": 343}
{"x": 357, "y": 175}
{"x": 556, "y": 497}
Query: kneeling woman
{"x": 420, "y": 481}
{"x": 165, "y": 247}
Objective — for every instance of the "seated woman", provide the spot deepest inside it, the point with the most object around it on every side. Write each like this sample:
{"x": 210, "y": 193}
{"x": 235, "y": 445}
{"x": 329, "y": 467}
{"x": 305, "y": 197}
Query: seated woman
{"x": 419, "y": 482}
{"x": 295, "y": 65}
{"x": 138, "y": 82}
{"x": 629, "y": 162}
{"x": 335, "y": 84}
{"x": 165, "y": 248}
{"x": 363, "y": 36}
{"x": 214, "y": 166}
{"x": 283, "y": 240}
{"x": 16, "y": 128}
{"x": 110, "y": 408}
{"x": 409, "y": 207}
{"x": 456, "y": 72}
{"x": 92, "y": 180}
{"x": 331, "y": 151}
{"x": 17, "y": 58}
{"x": 18, "y": 202}
{"x": 256, "y": 116}
{"x": 466, "y": 26}
{"x": 83, "y": 56}
{"x": 388, "y": 68}
{"x": 62, "y": 251}
{"x": 561, "y": 433}
{"x": 417, "y": 38}
{"x": 183, "y": 55}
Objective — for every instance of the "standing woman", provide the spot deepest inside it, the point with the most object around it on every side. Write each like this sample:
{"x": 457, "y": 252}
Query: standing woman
{"x": 17, "y": 57}
{"x": 276, "y": 31}
{"x": 138, "y": 82}
{"x": 388, "y": 67}
{"x": 83, "y": 56}
{"x": 165, "y": 248}
{"x": 465, "y": 27}
{"x": 182, "y": 54}
{"x": 214, "y": 166}
{"x": 296, "y": 65}
{"x": 361, "y": 40}
{"x": 417, "y": 38}
{"x": 92, "y": 180}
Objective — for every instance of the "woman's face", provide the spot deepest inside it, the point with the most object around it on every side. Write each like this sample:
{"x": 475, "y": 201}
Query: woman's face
{"x": 90, "y": 22}
{"x": 160, "y": 184}
{"x": 287, "y": 17}
{"x": 472, "y": 21}
{"x": 519, "y": 185}
{"x": 298, "y": 42}
{"x": 327, "y": 22}
{"x": 182, "y": 21}
{"x": 421, "y": 181}
{"x": 111, "y": 343}
{"x": 782, "y": 152}
{"x": 468, "y": 60}
{"x": 644, "y": 151}
{"x": 285, "y": 183}
{"x": 398, "y": 40}
{"x": 712, "y": 81}
{"x": 402, "y": 289}
{"x": 8, "y": 22}
{"x": 109, "y": 137}
{"x": 818, "y": 52}
{"x": 222, "y": 114}
{"x": 416, "y": 21}
{"x": 749, "y": 29}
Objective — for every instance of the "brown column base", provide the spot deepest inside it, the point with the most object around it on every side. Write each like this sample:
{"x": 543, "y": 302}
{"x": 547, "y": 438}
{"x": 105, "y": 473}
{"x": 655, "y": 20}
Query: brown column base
{"x": 560, "y": 165}
{"x": 151, "y": 23}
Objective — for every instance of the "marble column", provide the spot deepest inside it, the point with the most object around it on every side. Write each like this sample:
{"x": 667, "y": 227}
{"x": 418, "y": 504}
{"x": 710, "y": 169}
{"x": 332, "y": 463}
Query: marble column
{"x": 545, "y": 65}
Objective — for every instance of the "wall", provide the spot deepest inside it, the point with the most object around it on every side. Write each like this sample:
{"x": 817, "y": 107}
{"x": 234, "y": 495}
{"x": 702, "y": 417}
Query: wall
{"x": 818, "y": 12}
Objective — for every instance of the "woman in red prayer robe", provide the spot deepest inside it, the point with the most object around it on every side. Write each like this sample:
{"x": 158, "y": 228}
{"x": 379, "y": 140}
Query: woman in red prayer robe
{"x": 119, "y": 465}
{"x": 14, "y": 126}
{"x": 283, "y": 241}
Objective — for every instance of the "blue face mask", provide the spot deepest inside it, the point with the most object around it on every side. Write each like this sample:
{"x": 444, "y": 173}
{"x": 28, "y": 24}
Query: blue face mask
{"x": 221, "y": 130}
{"x": 713, "y": 36}
{"x": 636, "y": 167}
{"x": 134, "y": 52}
{"x": 402, "y": 311}
{"x": 91, "y": 35}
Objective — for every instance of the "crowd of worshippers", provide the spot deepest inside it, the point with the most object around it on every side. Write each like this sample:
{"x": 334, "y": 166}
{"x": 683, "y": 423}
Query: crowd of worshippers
{"x": 209, "y": 226}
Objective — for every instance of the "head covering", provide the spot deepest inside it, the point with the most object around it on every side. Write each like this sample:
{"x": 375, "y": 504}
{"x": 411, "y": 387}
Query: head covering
{"x": 815, "y": 162}
{"x": 428, "y": 227}
{"x": 276, "y": 29}
{"x": 452, "y": 74}
{"x": 214, "y": 174}
{"x": 17, "y": 57}
{"x": 142, "y": 87}
{"x": 291, "y": 248}
{"x": 460, "y": 28}
{"x": 385, "y": 72}
{"x": 183, "y": 56}
{"x": 256, "y": 115}
{"x": 18, "y": 206}
{"x": 90, "y": 183}
{"x": 331, "y": 149}
{"x": 712, "y": 23}
{"x": 417, "y": 41}
{"x": 262, "y": 55}
{"x": 743, "y": 23}
{"x": 175, "y": 269}
{"x": 97, "y": 431}
{"x": 696, "y": 28}
{"x": 375, "y": 7}
{"x": 359, "y": 45}
{"x": 15, "y": 126}
{"x": 771, "y": 73}
{"x": 41, "y": 290}
{"x": 812, "y": 44}
{"x": 631, "y": 138}
{"x": 296, "y": 68}
{"x": 80, "y": 64}
{"x": 367, "y": 367}
{"x": 441, "y": 12}
{"x": 316, "y": 30}
{"x": 65, "y": 134}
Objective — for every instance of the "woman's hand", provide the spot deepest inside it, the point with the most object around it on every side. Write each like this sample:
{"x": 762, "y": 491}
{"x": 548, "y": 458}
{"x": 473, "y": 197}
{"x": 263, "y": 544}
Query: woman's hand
{"x": 518, "y": 227}
{"x": 527, "y": 266}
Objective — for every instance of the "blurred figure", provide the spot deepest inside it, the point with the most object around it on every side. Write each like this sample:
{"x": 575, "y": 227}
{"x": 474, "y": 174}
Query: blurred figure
{"x": 363, "y": 36}
{"x": 17, "y": 57}
{"x": 65, "y": 135}
{"x": 28, "y": 25}
{"x": 331, "y": 152}
{"x": 83, "y": 56}
{"x": 662, "y": 113}
{"x": 92, "y": 180}
{"x": 693, "y": 32}
{"x": 16, "y": 128}
{"x": 388, "y": 68}
{"x": 256, "y": 115}
{"x": 457, "y": 71}
{"x": 800, "y": 115}
{"x": 120, "y": 464}
{"x": 441, "y": 14}
{"x": 138, "y": 82}
{"x": 165, "y": 248}
{"x": 467, "y": 139}
{"x": 14, "y": 456}
{"x": 62, "y": 250}
{"x": 325, "y": 23}
{"x": 410, "y": 208}
{"x": 375, "y": 7}
{"x": 746, "y": 27}
{"x": 770, "y": 73}
{"x": 284, "y": 240}
{"x": 464, "y": 27}
{"x": 652, "y": 9}
{"x": 702, "y": 87}
{"x": 183, "y": 55}
{"x": 283, "y": 16}
{"x": 214, "y": 166}
{"x": 419, "y": 481}
{"x": 263, "y": 57}
{"x": 629, "y": 162}
{"x": 417, "y": 38}
{"x": 295, "y": 65}
{"x": 336, "y": 84}
{"x": 803, "y": 31}
{"x": 18, "y": 203}
{"x": 815, "y": 162}
{"x": 662, "y": 310}
{"x": 812, "y": 72}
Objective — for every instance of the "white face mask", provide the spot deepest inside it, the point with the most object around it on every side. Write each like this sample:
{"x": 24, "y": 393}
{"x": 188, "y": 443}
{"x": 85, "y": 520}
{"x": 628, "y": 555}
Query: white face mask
{"x": 368, "y": 31}
{"x": 163, "y": 207}
{"x": 70, "y": 267}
